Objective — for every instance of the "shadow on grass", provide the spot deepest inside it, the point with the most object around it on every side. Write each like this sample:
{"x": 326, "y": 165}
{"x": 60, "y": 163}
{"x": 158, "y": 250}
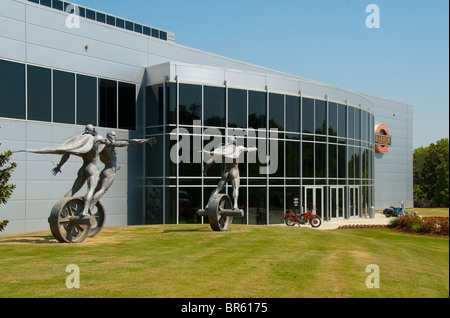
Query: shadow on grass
{"x": 44, "y": 239}
{"x": 200, "y": 229}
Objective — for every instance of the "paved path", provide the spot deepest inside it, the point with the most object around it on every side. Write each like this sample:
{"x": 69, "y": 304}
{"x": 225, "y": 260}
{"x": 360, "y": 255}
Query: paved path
{"x": 379, "y": 219}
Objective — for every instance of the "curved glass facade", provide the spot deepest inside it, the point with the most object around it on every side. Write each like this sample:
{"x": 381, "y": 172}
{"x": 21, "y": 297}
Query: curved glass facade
{"x": 312, "y": 153}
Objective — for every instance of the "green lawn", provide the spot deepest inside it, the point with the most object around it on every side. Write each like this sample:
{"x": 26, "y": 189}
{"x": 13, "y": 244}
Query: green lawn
{"x": 248, "y": 261}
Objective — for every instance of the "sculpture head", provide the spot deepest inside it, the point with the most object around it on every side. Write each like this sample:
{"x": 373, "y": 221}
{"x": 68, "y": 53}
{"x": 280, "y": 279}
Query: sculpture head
{"x": 111, "y": 136}
{"x": 232, "y": 140}
{"x": 89, "y": 129}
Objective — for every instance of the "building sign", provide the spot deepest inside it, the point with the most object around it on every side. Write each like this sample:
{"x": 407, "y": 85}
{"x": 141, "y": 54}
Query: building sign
{"x": 382, "y": 138}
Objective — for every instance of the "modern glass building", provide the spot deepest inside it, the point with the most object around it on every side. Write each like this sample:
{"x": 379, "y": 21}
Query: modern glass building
{"x": 63, "y": 66}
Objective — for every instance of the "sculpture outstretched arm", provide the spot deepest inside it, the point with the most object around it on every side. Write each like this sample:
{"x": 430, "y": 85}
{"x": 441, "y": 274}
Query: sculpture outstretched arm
{"x": 251, "y": 149}
{"x": 128, "y": 142}
{"x": 63, "y": 160}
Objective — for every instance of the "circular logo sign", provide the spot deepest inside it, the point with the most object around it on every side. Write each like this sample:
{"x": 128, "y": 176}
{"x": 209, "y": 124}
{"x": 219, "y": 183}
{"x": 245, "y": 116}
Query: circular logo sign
{"x": 382, "y": 138}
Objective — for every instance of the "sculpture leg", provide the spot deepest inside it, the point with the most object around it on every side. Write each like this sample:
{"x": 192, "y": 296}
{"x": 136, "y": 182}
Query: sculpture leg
{"x": 105, "y": 182}
{"x": 219, "y": 188}
{"x": 235, "y": 183}
{"x": 91, "y": 184}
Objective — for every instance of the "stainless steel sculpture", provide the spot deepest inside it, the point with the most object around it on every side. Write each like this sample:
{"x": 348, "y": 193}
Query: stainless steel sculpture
{"x": 73, "y": 219}
{"x": 219, "y": 210}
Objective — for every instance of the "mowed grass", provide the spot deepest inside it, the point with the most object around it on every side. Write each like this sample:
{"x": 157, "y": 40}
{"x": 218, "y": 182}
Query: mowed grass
{"x": 175, "y": 261}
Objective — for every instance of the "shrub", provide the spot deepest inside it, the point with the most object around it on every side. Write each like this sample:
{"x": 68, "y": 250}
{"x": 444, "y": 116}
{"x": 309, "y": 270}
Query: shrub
{"x": 393, "y": 223}
{"x": 416, "y": 228}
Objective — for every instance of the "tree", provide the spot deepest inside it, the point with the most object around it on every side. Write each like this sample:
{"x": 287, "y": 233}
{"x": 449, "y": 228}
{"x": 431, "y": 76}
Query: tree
{"x": 6, "y": 189}
{"x": 431, "y": 173}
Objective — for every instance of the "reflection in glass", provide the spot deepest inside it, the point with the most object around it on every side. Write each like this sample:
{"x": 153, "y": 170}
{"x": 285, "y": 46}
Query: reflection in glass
{"x": 276, "y": 111}
{"x": 321, "y": 117}
{"x": 308, "y": 115}
{"x": 292, "y": 113}
{"x": 332, "y": 119}
{"x": 237, "y": 108}
{"x": 257, "y": 110}
{"x": 189, "y": 201}
{"x": 276, "y": 205}
{"x": 342, "y": 120}
{"x": 190, "y": 97}
{"x": 214, "y": 109}
{"x": 257, "y": 205}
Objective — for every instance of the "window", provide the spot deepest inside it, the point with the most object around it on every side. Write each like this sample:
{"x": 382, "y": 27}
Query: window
{"x": 163, "y": 35}
{"x": 129, "y": 25}
{"x": 190, "y": 97}
{"x": 47, "y": 3}
{"x": 137, "y": 28}
{"x": 342, "y": 162}
{"x": 12, "y": 90}
{"x": 58, "y": 4}
{"x": 147, "y": 30}
{"x": 127, "y": 106}
{"x": 308, "y": 160}
{"x": 257, "y": 110}
{"x": 292, "y": 113}
{"x": 39, "y": 93}
{"x": 357, "y": 123}
{"x": 332, "y": 161}
{"x": 63, "y": 97}
{"x": 90, "y": 14}
{"x": 342, "y": 120}
{"x": 321, "y": 160}
{"x": 237, "y": 108}
{"x": 276, "y": 111}
{"x": 292, "y": 159}
{"x": 111, "y": 20}
{"x": 308, "y": 115}
{"x": 214, "y": 109}
{"x": 86, "y": 100}
{"x": 351, "y": 122}
{"x": 107, "y": 102}
{"x": 321, "y": 117}
{"x": 257, "y": 205}
{"x": 332, "y": 119}
{"x": 155, "y": 33}
{"x": 101, "y": 17}
{"x": 154, "y": 109}
{"x": 120, "y": 23}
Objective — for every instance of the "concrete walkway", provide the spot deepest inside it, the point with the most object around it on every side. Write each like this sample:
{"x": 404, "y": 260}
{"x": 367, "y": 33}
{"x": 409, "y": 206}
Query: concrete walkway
{"x": 379, "y": 219}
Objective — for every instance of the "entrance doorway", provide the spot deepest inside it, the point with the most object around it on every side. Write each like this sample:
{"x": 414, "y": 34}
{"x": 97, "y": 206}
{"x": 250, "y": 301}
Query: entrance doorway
{"x": 313, "y": 200}
{"x": 353, "y": 202}
{"x": 337, "y": 203}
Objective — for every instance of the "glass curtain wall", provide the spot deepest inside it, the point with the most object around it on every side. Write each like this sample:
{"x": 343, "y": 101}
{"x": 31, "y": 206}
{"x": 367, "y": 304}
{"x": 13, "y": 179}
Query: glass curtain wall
{"x": 310, "y": 152}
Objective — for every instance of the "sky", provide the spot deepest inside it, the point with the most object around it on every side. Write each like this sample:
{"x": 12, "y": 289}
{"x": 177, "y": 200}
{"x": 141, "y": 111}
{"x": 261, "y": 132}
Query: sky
{"x": 406, "y": 59}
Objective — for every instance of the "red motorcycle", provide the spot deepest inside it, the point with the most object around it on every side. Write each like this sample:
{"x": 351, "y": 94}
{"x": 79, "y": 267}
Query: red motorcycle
{"x": 309, "y": 217}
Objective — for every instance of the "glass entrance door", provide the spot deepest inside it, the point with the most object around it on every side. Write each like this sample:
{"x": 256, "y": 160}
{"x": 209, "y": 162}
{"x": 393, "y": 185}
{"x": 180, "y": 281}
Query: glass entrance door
{"x": 314, "y": 200}
{"x": 353, "y": 202}
{"x": 337, "y": 203}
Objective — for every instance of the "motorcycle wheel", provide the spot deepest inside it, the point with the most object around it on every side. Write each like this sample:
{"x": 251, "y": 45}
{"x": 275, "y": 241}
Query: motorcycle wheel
{"x": 316, "y": 221}
{"x": 289, "y": 222}
{"x": 386, "y": 213}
